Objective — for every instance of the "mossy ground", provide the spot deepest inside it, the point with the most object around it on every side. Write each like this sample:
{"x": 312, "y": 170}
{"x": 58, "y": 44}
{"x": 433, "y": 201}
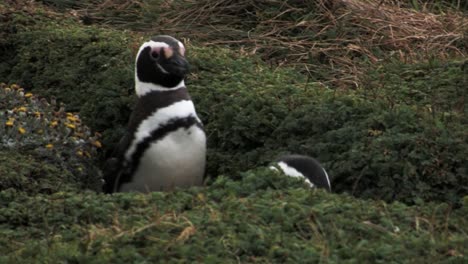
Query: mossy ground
{"x": 400, "y": 137}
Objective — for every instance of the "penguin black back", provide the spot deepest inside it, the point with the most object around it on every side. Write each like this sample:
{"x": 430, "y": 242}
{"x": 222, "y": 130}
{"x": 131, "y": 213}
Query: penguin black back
{"x": 305, "y": 167}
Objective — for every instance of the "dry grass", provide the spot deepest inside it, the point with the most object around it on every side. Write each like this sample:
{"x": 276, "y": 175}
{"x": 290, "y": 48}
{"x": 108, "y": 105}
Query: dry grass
{"x": 329, "y": 39}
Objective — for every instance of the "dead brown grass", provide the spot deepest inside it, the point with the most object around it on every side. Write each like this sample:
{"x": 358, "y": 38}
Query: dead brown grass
{"x": 337, "y": 35}
{"x": 332, "y": 40}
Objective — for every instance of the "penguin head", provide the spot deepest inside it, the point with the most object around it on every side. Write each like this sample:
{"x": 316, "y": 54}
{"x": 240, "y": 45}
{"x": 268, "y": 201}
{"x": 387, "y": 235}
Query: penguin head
{"x": 160, "y": 64}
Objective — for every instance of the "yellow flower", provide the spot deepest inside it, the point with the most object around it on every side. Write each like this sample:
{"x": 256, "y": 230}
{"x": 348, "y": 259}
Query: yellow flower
{"x": 21, "y": 109}
{"x": 72, "y": 118}
{"x": 53, "y": 123}
{"x": 97, "y": 144}
{"x": 69, "y": 114}
{"x": 79, "y": 153}
{"x": 14, "y": 86}
{"x": 10, "y": 122}
{"x": 374, "y": 133}
{"x": 49, "y": 146}
{"x": 72, "y": 126}
{"x": 201, "y": 197}
{"x": 27, "y": 95}
{"x": 21, "y": 130}
{"x": 37, "y": 114}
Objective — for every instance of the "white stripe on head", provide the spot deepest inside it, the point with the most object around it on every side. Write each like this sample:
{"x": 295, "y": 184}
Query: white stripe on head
{"x": 153, "y": 45}
{"x": 182, "y": 48}
{"x": 292, "y": 172}
{"x": 328, "y": 179}
{"x": 273, "y": 168}
{"x": 180, "y": 109}
{"x": 181, "y": 45}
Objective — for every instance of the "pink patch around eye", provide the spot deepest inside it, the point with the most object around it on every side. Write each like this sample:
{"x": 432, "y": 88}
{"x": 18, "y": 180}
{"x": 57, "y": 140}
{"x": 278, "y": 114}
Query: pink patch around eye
{"x": 155, "y": 52}
{"x": 168, "y": 52}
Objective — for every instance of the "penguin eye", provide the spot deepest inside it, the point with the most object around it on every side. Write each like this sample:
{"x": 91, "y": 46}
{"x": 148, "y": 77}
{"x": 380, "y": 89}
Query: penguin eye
{"x": 155, "y": 52}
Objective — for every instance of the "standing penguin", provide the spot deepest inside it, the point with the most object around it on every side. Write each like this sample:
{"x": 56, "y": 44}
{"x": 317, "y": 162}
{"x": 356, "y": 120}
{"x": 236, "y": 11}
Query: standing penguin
{"x": 165, "y": 145}
{"x": 304, "y": 167}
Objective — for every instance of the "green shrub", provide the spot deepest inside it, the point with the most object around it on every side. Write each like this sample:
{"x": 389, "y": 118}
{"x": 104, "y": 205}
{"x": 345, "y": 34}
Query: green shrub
{"x": 382, "y": 142}
{"x": 372, "y": 144}
{"x": 394, "y": 140}
{"x": 265, "y": 217}
{"x": 58, "y": 149}
{"x": 438, "y": 87}
{"x": 32, "y": 173}
{"x": 87, "y": 68}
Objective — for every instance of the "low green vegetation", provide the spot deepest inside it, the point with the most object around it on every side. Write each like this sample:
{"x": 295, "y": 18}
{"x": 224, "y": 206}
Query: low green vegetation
{"x": 395, "y": 146}
{"x": 373, "y": 144}
{"x": 437, "y": 87}
{"x": 383, "y": 142}
{"x": 256, "y": 219}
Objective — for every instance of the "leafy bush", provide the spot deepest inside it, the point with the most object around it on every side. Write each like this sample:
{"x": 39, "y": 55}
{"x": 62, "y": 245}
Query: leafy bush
{"x": 371, "y": 144}
{"x": 438, "y": 87}
{"x": 265, "y": 217}
{"x": 87, "y": 68}
{"x": 393, "y": 140}
{"x": 380, "y": 142}
{"x": 32, "y": 173}
{"x": 57, "y": 148}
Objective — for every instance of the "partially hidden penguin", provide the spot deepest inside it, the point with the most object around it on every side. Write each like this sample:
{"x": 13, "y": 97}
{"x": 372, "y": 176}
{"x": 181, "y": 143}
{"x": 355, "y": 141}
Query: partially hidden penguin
{"x": 164, "y": 146}
{"x": 304, "y": 167}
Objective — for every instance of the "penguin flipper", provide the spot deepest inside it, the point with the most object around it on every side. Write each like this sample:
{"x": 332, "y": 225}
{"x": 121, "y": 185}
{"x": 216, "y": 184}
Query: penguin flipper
{"x": 114, "y": 165}
{"x": 112, "y": 168}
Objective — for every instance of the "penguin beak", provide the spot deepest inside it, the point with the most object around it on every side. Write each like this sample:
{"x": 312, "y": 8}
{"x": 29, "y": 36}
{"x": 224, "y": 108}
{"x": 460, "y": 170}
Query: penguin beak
{"x": 177, "y": 65}
{"x": 172, "y": 62}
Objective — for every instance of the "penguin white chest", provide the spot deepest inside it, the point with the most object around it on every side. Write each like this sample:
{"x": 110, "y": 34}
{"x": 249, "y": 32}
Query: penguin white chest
{"x": 172, "y": 147}
{"x": 176, "y": 160}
